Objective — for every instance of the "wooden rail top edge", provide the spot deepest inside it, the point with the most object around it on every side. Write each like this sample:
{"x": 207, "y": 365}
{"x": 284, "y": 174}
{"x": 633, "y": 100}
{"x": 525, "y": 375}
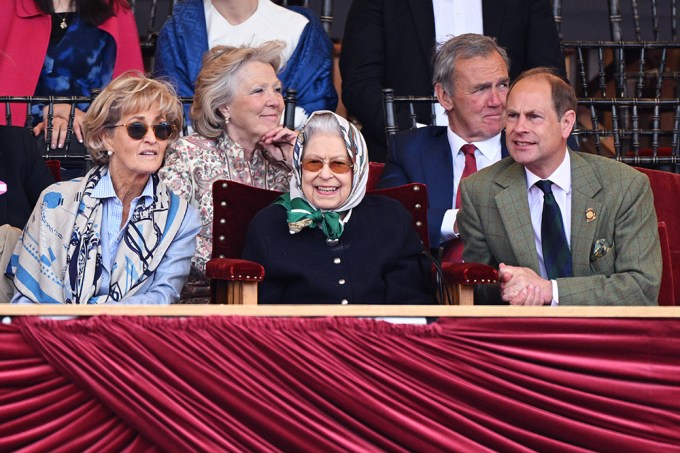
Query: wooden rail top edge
{"x": 340, "y": 310}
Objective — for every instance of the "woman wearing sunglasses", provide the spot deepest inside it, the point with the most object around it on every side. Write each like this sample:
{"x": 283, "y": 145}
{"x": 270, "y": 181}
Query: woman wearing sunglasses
{"x": 325, "y": 242}
{"x": 117, "y": 235}
{"x": 236, "y": 114}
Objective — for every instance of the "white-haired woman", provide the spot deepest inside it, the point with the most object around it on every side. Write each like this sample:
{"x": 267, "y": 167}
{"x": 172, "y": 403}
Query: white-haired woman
{"x": 326, "y": 242}
{"x": 236, "y": 115}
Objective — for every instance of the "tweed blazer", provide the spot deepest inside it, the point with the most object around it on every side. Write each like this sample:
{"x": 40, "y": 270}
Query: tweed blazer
{"x": 612, "y": 203}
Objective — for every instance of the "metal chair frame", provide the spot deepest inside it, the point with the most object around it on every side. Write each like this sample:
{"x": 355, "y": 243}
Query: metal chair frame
{"x": 65, "y": 154}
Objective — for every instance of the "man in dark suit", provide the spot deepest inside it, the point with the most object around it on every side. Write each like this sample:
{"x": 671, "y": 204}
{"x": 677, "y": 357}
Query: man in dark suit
{"x": 563, "y": 227}
{"x": 471, "y": 83}
{"x": 23, "y": 176}
{"x": 390, "y": 43}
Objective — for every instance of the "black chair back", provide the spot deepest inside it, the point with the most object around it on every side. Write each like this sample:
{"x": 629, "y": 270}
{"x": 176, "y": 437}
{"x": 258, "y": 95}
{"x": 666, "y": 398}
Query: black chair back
{"x": 405, "y": 112}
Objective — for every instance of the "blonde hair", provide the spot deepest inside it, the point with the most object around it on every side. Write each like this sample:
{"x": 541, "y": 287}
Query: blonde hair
{"x": 129, "y": 93}
{"x": 217, "y": 83}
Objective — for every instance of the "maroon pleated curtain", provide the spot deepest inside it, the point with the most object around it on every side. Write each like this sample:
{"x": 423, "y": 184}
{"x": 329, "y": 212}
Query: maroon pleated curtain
{"x": 337, "y": 384}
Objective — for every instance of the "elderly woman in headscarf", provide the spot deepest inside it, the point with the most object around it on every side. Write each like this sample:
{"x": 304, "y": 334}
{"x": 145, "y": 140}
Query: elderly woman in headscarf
{"x": 326, "y": 242}
{"x": 117, "y": 235}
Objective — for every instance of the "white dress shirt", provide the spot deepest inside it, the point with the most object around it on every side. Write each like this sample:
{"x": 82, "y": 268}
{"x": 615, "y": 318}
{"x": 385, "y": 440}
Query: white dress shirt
{"x": 561, "y": 187}
{"x": 488, "y": 152}
{"x": 453, "y": 18}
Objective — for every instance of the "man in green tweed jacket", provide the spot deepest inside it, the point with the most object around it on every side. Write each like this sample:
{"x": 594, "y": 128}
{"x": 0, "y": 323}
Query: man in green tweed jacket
{"x": 605, "y": 229}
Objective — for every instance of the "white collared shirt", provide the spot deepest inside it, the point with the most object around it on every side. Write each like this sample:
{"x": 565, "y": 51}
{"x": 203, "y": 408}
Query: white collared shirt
{"x": 561, "y": 187}
{"x": 456, "y": 17}
{"x": 453, "y": 18}
{"x": 488, "y": 152}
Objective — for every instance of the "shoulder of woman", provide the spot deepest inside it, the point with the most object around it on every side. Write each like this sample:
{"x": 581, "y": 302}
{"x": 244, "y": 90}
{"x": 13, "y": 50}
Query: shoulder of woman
{"x": 292, "y": 16}
{"x": 194, "y": 141}
{"x": 386, "y": 209}
{"x": 381, "y": 202}
{"x": 272, "y": 212}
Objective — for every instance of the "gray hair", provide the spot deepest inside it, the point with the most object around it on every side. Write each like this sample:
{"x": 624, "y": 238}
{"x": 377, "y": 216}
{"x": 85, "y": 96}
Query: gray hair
{"x": 321, "y": 123}
{"x": 462, "y": 47}
{"x": 217, "y": 82}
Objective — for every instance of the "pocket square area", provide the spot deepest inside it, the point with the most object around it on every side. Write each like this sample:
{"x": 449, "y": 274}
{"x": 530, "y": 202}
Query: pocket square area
{"x": 600, "y": 248}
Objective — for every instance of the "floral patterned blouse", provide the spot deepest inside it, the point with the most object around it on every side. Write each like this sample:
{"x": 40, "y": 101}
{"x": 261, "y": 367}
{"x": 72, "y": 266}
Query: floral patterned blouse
{"x": 194, "y": 162}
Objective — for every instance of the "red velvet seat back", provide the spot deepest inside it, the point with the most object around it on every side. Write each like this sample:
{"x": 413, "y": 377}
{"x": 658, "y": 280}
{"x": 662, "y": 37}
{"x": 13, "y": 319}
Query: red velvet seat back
{"x": 375, "y": 170}
{"x": 55, "y": 168}
{"x": 666, "y": 189}
{"x": 235, "y": 204}
{"x": 414, "y": 199}
{"x": 667, "y": 291}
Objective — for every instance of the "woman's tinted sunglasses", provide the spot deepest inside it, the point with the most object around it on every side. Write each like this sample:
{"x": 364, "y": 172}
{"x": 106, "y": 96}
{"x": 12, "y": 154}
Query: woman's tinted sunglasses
{"x": 137, "y": 130}
{"x": 336, "y": 166}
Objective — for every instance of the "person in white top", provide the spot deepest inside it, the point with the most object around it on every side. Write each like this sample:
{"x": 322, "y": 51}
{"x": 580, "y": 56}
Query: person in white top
{"x": 199, "y": 25}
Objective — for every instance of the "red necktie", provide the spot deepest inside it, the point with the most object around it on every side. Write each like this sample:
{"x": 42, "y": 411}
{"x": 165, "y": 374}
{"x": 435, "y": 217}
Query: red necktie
{"x": 453, "y": 250}
{"x": 470, "y": 167}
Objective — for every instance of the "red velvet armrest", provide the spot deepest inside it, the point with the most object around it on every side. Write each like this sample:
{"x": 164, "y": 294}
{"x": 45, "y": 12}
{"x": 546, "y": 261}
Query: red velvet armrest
{"x": 233, "y": 269}
{"x": 469, "y": 273}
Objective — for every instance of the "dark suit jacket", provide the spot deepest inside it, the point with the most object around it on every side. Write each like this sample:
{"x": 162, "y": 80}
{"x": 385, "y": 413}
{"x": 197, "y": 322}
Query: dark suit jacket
{"x": 424, "y": 155}
{"x": 495, "y": 225}
{"x": 376, "y": 260}
{"x": 390, "y": 43}
{"x": 24, "y": 171}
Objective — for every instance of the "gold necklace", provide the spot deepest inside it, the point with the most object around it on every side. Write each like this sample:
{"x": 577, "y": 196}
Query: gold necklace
{"x": 63, "y": 25}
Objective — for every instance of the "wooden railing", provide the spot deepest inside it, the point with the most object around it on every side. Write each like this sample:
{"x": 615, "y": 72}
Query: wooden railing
{"x": 339, "y": 310}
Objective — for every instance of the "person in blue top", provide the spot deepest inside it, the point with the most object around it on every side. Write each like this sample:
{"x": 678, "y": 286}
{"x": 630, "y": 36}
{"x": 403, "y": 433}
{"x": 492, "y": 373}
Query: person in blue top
{"x": 199, "y": 25}
{"x": 118, "y": 235}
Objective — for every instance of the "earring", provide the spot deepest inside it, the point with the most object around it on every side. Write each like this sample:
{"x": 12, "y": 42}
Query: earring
{"x": 110, "y": 153}
{"x": 226, "y": 120}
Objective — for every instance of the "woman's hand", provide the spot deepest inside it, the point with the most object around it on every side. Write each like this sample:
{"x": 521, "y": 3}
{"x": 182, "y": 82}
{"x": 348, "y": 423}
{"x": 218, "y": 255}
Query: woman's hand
{"x": 60, "y": 124}
{"x": 279, "y": 143}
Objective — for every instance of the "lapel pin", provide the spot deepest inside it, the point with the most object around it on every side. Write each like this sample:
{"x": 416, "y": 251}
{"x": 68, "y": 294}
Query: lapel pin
{"x": 590, "y": 215}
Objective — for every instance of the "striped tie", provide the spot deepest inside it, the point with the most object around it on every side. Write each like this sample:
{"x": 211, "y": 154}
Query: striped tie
{"x": 556, "y": 253}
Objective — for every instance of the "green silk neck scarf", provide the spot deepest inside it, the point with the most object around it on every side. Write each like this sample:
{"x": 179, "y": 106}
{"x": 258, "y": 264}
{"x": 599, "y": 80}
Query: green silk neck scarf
{"x": 302, "y": 215}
